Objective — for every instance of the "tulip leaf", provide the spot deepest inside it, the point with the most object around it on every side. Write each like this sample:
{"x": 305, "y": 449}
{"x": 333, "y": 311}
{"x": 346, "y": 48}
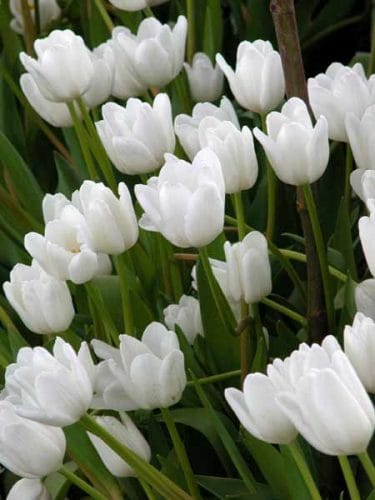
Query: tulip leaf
{"x": 213, "y": 28}
{"x": 68, "y": 178}
{"x": 227, "y": 487}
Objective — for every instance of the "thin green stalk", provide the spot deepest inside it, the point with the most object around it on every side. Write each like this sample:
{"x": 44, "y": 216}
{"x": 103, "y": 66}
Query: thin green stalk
{"x": 215, "y": 378}
{"x": 245, "y": 343}
{"x": 181, "y": 453}
{"x": 144, "y": 470}
{"x": 285, "y": 310}
{"x": 148, "y": 490}
{"x": 368, "y": 466}
{"x": 257, "y": 320}
{"x": 240, "y": 216}
{"x": 120, "y": 263}
{"x": 164, "y": 265}
{"x": 99, "y": 305}
{"x": 271, "y": 190}
{"x": 147, "y": 11}
{"x": 304, "y": 470}
{"x": 37, "y": 17}
{"x": 349, "y": 478}
{"x": 29, "y": 26}
{"x": 322, "y": 254}
{"x": 348, "y": 169}
{"x": 191, "y": 30}
{"x": 86, "y": 487}
{"x": 104, "y": 15}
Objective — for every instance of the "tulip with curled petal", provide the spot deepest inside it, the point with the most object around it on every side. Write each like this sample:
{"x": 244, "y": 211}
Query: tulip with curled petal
{"x": 137, "y": 136}
{"x": 205, "y": 80}
{"x": 235, "y": 150}
{"x": 185, "y": 203}
{"x": 29, "y": 449}
{"x": 64, "y": 69}
{"x": 186, "y": 127}
{"x": 297, "y": 151}
{"x": 187, "y": 315}
{"x": 141, "y": 374}
{"x": 28, "y": 489}
{"x": 42, "y": 301}
{"x": 49, "y": 10}
{"x": 134, "y": 5}
{"x": 54, "y": 389}
{"x": 336, "y": 93}
{"x": 126, "y": 433}
{"x": 364, "y": 295}
{"x": 258, "y": 80}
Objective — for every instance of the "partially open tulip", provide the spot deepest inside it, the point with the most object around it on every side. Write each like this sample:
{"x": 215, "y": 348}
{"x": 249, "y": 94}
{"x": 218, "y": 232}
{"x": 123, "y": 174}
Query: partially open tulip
{"x": 42, "y": 301}
{"x": 185, "y": 203}
{"x": 297, "y": 151}
{"x": 361, "y": 136}
{"x": 126, "y": 433}
{"x": 205, "y": 80}
{"x": 100, "y": 87}
{"x": 258, "y": 80}
{"x": 49, "y": 10}
{"x": 28, "y": 489}
{"x": 186, "y": 315}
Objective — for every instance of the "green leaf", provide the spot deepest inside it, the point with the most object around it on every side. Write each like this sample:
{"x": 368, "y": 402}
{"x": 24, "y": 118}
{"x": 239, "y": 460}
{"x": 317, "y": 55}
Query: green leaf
{"x": 227, "y": 487}
{"x": 69, "y": 179}
{"x": 342, "y": 239}
{"x": 213, "y": 28}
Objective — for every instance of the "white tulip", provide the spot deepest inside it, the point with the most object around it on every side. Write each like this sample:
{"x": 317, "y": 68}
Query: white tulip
{"x": 133, "y": 5}
{"x": 258, "y": 80}
{"x": 363, "y": 184}
{"x": 361, "y": 137}
{"x": 127, "y": 434}
{"x": 185, "y": 203}
{"x": 53, "y": 205}
{"x": 235, "y": 150}
{"x": 364, "y": 295}
{"x": 187, "y": 315}
{"x": 111, "y": 225}
{"x": 205, "y": 80}
{"x": 297, "y": 151}
{"x": 51, "y": 389}
{"x": 100, "y": 88}
{"x": 64, "y": 69}
{"x": 43, "y": 302}
{"x": 29, "y": 449}
{"x": 49, "y": 10}
{"x": 28, "y": 489}
{"x": 142, "y": 374}
{"x": 137, "y": 137}
{"x": 366, "y": 228}
{"x": 186, "y": 127}
{"x": 336, "y": 93}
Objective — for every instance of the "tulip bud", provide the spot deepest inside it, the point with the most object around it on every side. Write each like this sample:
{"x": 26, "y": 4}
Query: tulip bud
{"x": 205, "y": 80}
{"x": 142, "y": 374}
{"x": 52, "y": 389}
{"x": 187, "y": 315}
{"x": 28, "y": 489}
{"x": 185, "y": 203}
{"x": 361, "y": 137}
{"x": 297, "y": 151}
{"x": 337, "y": 92}
{"x": 137, "y": 137}
{"x": 186, "y": 127}
{"x": 43, "y": 302}
{"x": 48, "y": 12}
{"x": 248, "y": 268}
{"x": 133, "y": 5}
{"x": 29, "y": 449}
{"x": 235, "y": 150}
{"x": 364, "y": 295}
{"x": 366, "y": 228}
{"x": 111, "y": 225}
{"x": 258, "y": 80}
{"x": 359, "y": 345}
{"x": 127, "y": 434}
{"x": 64, "y": 69}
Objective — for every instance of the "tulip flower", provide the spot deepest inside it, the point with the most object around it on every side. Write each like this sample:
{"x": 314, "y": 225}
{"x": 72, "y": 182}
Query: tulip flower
{"x": 28, "y": 489}
{"x": 49, "y": 10}
{"x": 297, "y": 151}
{"x": 156, "y": 54}
{"x": 258, "y": 80}
{"x": 186, "y": 315}
{"x": 359, "y": 345}
{"x": 126, "y": 433}
{"x": 366, "y": 228}
{"x": 141, "y": 374}
{"x": 364, "y": 295}
{"x": 64, "y": 68}
{"x": 43, "y": 302}
{"x": 137, "y": 137}
{"x": 336, "y": 93}
{"x": 235, "y": 150}
{"x": 100, "y": 88}
{"x": 54, "y": 389}
{"x": 363, "y": 184}
{"x": 185, "y": 203}
{"x": 133, "y": 5}
{"x": 111, "y": 225}
{"x": 186, "y": 127}
{"x": 205, "y": 80}
{"x": 29, "y": 449}
{"x": 248, "y": 268}
{"x": 361, "y": 137}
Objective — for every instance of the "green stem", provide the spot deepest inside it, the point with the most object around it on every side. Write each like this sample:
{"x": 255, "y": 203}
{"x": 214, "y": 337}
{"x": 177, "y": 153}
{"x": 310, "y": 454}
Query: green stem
{"x": 120, "y": 263}
{"x": 144, "y": 470}
{"x": 74, "y": 479}
{"x": 181, "y": 453}
{"x": 191, "y": 30}
{"x": 174, "y": 270}
{"x": 368, "y": 466}
{"x": 148, "y": 12}
{"x": 147, "y": 489}
{"x": 349, "y": 478}
{"x": 271, "y": 187}
{"x": 104, "y": 14}
{"x": 304, "y": 470}
{"x": 348, "y": 169}
{"x": 240, "y": 216}
{"x": 322, "y": 255}
{"x": 215, "y": 378}
{"x": 106, "y": 319}
{"x": 37, "y": 17}
{"x": 285, "y": 310}
{"x": 164, "y": 265}
{"x": 245, "y": 343}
